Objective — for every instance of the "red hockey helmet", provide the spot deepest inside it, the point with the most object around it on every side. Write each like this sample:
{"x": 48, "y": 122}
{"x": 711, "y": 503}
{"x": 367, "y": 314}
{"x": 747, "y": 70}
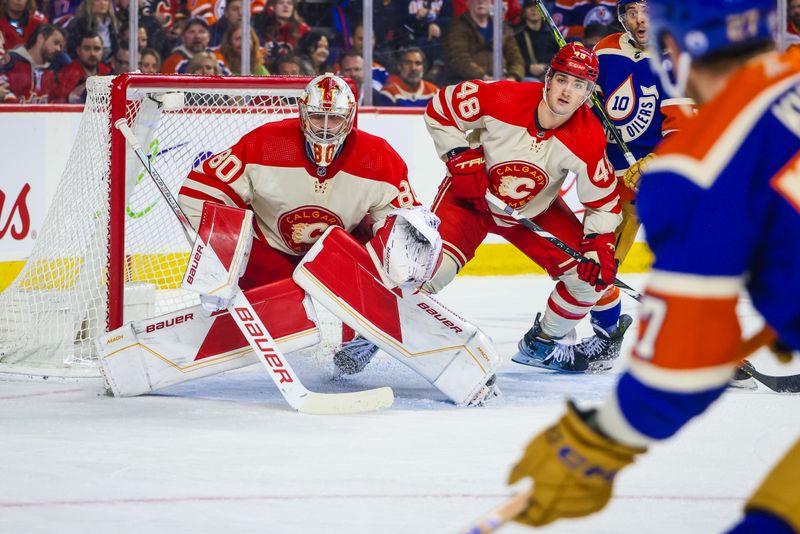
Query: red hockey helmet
{"x": 578, "y": 61}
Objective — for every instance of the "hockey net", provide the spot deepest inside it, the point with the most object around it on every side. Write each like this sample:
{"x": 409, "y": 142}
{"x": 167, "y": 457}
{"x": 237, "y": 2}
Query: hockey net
{"x": 110, "y": 250}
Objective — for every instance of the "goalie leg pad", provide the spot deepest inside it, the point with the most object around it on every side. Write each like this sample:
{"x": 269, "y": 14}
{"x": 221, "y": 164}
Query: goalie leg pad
{"x": 147, "y": 355}
{"x": 451, "y": 353}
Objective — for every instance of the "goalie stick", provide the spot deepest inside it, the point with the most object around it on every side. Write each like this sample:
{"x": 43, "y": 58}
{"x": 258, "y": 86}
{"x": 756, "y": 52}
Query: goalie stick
{"x": 629, "y": 157}
{"x": 257, "y": 335}
{"x": 492, "y": 520}
{"x": 780, "y": 384}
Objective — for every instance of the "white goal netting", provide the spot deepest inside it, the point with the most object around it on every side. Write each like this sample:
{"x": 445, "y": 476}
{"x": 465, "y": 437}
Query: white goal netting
{"x": 62, "y": 299}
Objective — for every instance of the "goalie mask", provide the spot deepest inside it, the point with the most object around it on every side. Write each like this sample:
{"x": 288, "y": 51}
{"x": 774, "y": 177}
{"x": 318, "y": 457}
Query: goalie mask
{"x": 327, "y": 112}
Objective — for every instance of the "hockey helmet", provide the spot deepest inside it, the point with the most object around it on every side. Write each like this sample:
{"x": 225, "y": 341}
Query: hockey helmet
{"x": 703, "y": 29}
{"x": 327, "y": 113}
{"x": 576, "y": 60}
{"x": 700, "y": 28}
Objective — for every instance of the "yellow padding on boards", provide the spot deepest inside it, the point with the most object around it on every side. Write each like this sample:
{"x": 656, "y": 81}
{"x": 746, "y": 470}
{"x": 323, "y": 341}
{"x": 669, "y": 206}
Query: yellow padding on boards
{"x": 166, "y": 270}
{"x": 493, "y": 259}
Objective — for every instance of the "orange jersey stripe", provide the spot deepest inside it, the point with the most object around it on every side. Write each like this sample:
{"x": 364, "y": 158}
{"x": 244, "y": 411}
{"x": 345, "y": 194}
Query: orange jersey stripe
{"x": 691, "y": 333}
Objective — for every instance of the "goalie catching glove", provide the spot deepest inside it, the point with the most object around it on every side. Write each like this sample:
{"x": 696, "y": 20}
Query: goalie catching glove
{"x": 573, "y": 468}
{"x": 219, "y": 254}
{"x": 407, "y": 248}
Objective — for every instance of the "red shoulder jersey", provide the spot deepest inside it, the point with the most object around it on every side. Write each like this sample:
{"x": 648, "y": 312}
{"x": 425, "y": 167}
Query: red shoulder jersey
{"x": 30, "y": 85}
{"x": 14, "y": 39}
{"x": 70, "y": 77}
{"x": 294, "y": 202}
{"x": 527, "y": 166}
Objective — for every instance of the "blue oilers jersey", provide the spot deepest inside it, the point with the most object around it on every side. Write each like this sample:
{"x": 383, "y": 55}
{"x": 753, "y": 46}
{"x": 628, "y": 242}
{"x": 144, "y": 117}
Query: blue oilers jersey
{"x": 721, "y": 207}
{"x": 634, "y": 98}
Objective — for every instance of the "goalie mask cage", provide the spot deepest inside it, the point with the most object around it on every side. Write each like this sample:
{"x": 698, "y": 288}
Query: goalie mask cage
{"x": 111, "y": 250}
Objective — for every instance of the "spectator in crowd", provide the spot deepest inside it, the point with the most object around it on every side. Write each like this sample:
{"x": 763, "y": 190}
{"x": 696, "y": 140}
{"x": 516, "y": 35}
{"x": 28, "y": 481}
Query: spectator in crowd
{"x": 379, "y": 72}
{"x": 793, "y": 22}
{"x": 280, "y": 28}
{"x": 149, "y": 61}
{"x": 408, "y": 88}
{"x": 27, "y": 70}
{"x": 314, "y": 52}
{"x": 536, "y": 42}
{"x": 388, "y": 17}
{"x": 151, "y": 33}
{"x": 212, "y": 11}
{"x": 594, "y": 33}
{"x": 18, "y": 20}
{"x": 60, "y": 12}
{"x": 230, "y": 52}
{"x": 572, "y": 16}
{"x": 121, "y": 62}
{"x": 351, "y": 65}
{"x": 205, "y": 63}
{"x": 468, "y": 46}
{"x": 288, "y": 66}
{"x": 94, "y": 16}
{"x": 194, "y": 39}
{"x": 424, "y": 32}
{"x": 231, "y": 16}
{"x": 166, "y": 12}
{"x": 3, "y": 54}
{"x": 511, "y": 10}
{"x": 71, "y": 80}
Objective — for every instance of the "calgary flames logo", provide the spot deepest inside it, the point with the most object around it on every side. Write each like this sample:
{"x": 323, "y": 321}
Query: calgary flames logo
{"x": 300, "y": 228}
{"x": 516, "y": 182}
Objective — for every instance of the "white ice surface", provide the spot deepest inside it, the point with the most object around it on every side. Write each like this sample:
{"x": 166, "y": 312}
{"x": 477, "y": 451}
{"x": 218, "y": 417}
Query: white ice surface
{"x": 226, "y": 454}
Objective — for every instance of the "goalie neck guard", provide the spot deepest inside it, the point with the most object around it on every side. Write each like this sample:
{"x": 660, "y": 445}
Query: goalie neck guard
{"x": 327, "y": 112}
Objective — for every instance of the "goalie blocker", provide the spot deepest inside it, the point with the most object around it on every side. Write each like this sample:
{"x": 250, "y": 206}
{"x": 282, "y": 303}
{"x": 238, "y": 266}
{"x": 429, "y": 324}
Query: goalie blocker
{"x": 452, "y": 354}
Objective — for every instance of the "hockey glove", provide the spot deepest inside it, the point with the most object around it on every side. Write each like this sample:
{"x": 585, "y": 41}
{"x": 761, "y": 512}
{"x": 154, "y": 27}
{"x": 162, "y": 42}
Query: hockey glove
{"x": 599, "y": 266}
{"x": 573, "y": 468}
{"x": 468, "y": 178}
{"x": 634, "y": 173}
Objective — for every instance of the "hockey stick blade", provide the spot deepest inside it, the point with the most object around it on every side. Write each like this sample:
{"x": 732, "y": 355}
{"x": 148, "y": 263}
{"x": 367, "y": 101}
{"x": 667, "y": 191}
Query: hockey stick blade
{"x": 779, "y": 384}
{"x": 257, "y": 335}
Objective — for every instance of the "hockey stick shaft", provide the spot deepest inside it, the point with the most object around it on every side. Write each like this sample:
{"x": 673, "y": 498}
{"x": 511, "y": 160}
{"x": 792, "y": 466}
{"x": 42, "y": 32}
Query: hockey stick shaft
{"x": 257, "y": 335}
{"x": 544, "y": 234}
{"x": 629, "y": 157}
{"x": 517, "y": 503}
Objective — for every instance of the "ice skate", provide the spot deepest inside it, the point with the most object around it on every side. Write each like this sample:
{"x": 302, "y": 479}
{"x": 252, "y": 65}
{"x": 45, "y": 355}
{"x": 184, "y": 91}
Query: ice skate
{"x": 354, "y": 355}
{"x": 537, "y": 351}
{"x": 604, "y": 347}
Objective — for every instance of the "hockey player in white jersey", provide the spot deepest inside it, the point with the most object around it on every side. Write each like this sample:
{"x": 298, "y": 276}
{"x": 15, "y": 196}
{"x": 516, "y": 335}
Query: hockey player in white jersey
{"x": 519, "y": 142}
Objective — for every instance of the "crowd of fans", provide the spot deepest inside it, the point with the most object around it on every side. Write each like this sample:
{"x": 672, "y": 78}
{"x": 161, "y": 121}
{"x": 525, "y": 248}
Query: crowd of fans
{"x": 48, "y": 48}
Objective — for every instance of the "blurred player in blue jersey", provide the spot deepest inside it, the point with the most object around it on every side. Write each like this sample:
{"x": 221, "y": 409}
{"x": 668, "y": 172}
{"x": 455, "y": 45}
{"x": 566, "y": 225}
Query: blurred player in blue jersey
{"x": 721, "y": 207}
{"x": 641, "y": 111}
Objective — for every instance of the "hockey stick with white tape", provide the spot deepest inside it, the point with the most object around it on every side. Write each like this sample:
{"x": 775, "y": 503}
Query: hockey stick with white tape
{"x": 257, "y": 335}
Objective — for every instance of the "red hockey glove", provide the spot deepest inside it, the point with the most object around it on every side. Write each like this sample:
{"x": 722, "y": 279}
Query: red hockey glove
{"x": 600, "y": 267}
{"x": 468, "y": 177}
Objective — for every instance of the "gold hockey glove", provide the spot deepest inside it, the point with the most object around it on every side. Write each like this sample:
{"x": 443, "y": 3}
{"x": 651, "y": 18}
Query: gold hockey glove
{"x": 573, "y": 469}
{"x": 634, "y": 173}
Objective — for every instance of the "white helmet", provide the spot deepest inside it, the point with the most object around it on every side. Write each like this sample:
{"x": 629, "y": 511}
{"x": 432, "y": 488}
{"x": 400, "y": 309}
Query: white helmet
{"x": 327, "y": 112}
